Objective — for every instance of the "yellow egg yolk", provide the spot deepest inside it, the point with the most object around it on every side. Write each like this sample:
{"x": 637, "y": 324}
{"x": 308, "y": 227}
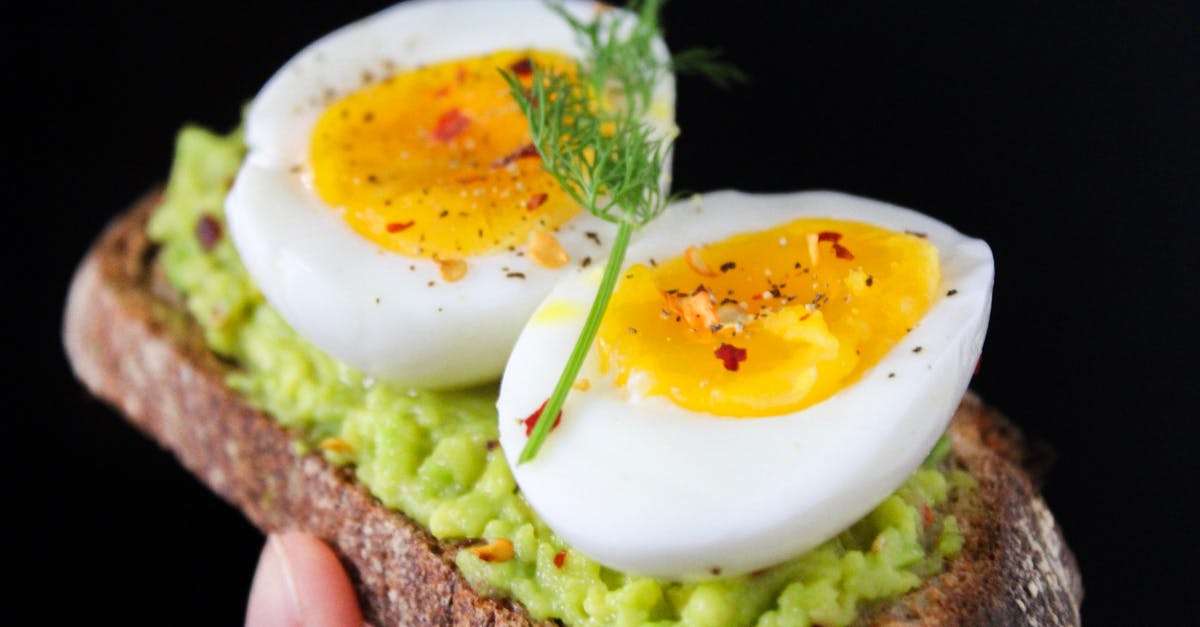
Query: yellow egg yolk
{"x": 437, "y": 162}
{"x": 770, "y": 322}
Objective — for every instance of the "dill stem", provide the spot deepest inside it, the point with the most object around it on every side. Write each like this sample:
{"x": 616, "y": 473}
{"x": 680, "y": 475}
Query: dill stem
{"x": 612, "y": 271}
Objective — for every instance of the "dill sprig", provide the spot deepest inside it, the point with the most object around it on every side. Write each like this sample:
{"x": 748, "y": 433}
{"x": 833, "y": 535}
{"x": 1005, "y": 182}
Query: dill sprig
{"x": 591, "y": 133}
{"x": 608, "y": 161}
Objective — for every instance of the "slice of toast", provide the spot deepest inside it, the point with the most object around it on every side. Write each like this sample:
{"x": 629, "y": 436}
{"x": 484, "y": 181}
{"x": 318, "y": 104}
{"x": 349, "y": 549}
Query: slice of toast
{"x": 132, "y": 344}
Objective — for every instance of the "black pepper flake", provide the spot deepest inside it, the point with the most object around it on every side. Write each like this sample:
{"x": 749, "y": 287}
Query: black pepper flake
{"x": 728, "y": 265}
{"x": 633, "y": 330}
{"x": 444, "y": 213}
{"x": 515, "y": 275}
{"x": 715, "y": 570}
{"x": 587, "y": 261}
{"x": 917, "y": 349}
{"x": 430, "y": 284}
{"x": 870, "y": 280}
{"x": 492, "y": 444}
{"x": 653, "y": 264}
{"x": 917, "y": 234}
{"x": 716, "y": 327}
{"x": 592, "y": 235}
{"x": 891, "y": 375}
{"x": 951, "y": 292}
{"x": 376, "y": 300}
{"x": 208, "y": 231}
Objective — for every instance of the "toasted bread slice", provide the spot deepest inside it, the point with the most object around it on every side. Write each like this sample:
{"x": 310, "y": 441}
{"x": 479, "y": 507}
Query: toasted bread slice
{"x": 135, "y": 347}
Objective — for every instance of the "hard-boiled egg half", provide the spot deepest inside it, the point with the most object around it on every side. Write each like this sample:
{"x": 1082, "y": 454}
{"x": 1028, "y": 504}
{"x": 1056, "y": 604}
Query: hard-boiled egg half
{"x": 391, "y": 207}
{"x": 770, "y": 368}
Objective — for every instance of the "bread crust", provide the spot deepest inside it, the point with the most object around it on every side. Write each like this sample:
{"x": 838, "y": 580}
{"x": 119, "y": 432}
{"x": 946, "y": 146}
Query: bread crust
{"x": 134, "y": 347}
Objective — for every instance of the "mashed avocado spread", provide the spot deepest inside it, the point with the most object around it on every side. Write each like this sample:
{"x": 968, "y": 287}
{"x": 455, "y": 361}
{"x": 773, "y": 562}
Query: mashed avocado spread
{"x": 434, "y": 457}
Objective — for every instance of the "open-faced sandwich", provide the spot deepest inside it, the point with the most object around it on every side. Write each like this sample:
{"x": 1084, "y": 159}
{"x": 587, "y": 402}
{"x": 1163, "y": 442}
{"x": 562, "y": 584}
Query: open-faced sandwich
{"x": 433, "y": 305}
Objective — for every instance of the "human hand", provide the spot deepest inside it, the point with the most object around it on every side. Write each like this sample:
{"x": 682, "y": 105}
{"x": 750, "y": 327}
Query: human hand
{"x": 300, "y": 583}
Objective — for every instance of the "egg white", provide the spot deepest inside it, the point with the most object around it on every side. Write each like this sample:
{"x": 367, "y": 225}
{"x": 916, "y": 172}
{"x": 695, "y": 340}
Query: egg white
{"x": 371, "y": 308}
{"x": 642, "y": 485}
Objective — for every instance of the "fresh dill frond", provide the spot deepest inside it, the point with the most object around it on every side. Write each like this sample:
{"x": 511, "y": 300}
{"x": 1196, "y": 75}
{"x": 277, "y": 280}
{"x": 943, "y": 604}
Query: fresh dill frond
{"x": 707, "y": 63}
{"x": 592, "y": 133}
{"x": 621, "y": 64}
{"x": 609, "y": 161}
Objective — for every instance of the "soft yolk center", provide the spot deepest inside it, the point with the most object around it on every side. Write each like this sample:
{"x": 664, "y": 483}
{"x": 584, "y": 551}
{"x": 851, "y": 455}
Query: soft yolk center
{"x": 770, "y": 322}
{"x": 437, "y": 162}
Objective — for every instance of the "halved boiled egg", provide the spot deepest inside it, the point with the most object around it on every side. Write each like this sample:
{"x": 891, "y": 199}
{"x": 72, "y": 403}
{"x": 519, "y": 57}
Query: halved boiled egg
{"x": 391, "y": 207}
{"x": 770, "y": 368}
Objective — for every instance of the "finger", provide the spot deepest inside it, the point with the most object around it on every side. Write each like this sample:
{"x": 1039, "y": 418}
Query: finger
{"x": 300, "y": 583}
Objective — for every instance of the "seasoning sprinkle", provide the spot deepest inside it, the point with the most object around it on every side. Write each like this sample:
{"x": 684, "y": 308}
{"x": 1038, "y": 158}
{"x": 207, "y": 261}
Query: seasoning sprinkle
{"x": 208, "y": 231}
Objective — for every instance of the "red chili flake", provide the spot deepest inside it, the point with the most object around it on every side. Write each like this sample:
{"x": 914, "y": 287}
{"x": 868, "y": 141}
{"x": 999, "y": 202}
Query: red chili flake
{"x": 462, "y": 74}
{"x": 829, "y": 236}
{"x": 842, "y": 252}
{"x": 522, "y": 68}
{"x": 208, "y": 231}
{"x": 559, "y": 559}
{"x": 524, "y": 152}
{"x": 396, "y": 227}
{"x": 730, "y": 355}
{"x": 927, "y": 515}
{"x": 535, "y": 201}
{"x": 531, "y": 421}
{"x": 442, "y": 92}
{"x": 450, "y": 125}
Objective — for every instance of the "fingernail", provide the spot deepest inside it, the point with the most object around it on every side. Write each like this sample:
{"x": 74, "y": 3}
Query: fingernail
{"x": 299, "y": 582}
{"x": 274, "y": 600}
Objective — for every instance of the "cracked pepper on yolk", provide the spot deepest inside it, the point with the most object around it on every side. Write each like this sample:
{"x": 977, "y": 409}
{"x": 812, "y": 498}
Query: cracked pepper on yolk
{"x": 770, "y": 322}
{"x": 437, "y": 162}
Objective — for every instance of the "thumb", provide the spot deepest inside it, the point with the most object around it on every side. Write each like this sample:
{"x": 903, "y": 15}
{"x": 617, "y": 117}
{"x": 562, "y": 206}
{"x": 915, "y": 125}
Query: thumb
{"x": 300, "y": 583}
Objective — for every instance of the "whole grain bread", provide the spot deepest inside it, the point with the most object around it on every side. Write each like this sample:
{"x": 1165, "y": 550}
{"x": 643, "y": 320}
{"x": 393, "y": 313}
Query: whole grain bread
{"x": 134, "y": 347}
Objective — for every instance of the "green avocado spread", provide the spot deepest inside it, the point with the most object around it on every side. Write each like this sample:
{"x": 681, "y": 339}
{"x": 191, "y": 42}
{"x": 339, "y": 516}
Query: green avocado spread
{"x": 433, "y": 456}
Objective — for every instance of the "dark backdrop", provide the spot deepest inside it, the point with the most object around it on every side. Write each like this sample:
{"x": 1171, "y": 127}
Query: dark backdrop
{"x": 1065, "y": 135}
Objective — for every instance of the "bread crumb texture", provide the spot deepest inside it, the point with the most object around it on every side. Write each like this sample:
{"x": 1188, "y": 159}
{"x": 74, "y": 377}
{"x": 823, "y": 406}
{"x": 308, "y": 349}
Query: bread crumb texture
{"x": 433, "y": 456}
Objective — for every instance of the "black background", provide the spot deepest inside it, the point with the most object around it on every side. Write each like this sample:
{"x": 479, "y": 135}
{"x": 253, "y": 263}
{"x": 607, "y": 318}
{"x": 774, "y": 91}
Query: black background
{"x": 1065, "y": 134}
